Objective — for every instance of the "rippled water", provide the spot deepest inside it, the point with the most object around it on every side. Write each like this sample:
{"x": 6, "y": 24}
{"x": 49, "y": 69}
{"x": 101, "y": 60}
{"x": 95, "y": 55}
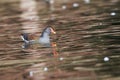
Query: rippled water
{"x": 87, "y": 38}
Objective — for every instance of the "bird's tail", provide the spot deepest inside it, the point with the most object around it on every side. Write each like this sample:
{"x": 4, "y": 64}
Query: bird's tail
{"x": 25, "y": 38}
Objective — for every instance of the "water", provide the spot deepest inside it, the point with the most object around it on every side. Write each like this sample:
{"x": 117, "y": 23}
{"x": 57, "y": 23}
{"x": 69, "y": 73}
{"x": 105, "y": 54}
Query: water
{"x": 87, "y": 41}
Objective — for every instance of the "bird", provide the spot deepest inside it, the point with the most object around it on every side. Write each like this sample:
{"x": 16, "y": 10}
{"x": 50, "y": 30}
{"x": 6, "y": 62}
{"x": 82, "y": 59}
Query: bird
{"x": 44, "y": 39}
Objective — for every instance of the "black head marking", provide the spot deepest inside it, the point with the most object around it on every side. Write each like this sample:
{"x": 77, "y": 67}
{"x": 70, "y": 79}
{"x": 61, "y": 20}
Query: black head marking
{"x": 46, "y": 30}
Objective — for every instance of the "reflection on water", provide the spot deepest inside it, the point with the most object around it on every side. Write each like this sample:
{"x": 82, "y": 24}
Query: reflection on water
{"x": 29, "y": 15}
{"x": 87, "y": 39}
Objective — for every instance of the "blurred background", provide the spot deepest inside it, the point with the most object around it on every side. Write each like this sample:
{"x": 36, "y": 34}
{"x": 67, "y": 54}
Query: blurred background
{"x": 87, "y": 38}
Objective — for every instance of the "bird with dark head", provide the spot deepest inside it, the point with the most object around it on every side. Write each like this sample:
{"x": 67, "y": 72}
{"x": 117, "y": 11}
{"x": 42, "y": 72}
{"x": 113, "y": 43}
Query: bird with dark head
{"x": 44, "y": 38}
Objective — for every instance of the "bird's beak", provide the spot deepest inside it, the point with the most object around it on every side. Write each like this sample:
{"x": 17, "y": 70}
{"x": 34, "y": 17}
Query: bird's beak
{"x": 52, "y": 31}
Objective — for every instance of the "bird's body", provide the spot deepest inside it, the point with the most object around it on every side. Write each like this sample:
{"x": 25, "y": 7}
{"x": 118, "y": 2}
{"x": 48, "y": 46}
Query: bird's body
{"x": 45, "y": 36}
{"x": 45, "y": 40}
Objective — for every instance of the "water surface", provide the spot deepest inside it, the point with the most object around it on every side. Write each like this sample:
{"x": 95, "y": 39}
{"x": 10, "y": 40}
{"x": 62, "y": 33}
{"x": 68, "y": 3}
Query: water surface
{"x": 87, "y": 38}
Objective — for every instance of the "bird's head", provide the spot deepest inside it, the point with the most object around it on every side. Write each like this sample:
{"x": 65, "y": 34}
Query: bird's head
{"x": 48, "y": 30}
